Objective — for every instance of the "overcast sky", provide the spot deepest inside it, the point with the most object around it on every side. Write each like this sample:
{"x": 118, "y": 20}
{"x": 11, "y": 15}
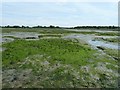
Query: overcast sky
{"x": 61, "y": 14}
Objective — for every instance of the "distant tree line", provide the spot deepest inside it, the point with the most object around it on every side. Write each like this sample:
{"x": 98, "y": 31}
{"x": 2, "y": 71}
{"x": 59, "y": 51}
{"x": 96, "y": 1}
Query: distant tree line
{"x": 51, "y": 26}
{"x": 77, "y": 27}
{"x": 8, "y": 26}
{"x": 96, "y": 27}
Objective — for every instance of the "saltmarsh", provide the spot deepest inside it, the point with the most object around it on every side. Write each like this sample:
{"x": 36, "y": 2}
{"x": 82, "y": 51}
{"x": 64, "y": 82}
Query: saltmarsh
{"x": 65, "y": 51}
{"x": 57, "y": 31}
{"x": 56, "y": 63}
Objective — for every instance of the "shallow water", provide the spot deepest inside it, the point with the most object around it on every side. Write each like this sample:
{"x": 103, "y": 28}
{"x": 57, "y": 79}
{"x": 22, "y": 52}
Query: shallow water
{"x": 89, "y": 39}
{"x": 103, "y": 44}
{"x": 22, "y": 34}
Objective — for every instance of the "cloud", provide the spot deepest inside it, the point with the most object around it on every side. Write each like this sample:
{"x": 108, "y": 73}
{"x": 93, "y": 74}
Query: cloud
{"x": 62, "y": 14}
{"x": 60, "y": 0}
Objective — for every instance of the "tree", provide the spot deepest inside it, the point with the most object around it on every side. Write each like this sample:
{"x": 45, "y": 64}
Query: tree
{"x": 51, "y": 26}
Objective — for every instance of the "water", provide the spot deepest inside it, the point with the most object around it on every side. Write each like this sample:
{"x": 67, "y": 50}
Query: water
{"x": 22, "y": 34}
{"x": 80, "y": 36}
{"x": 89, "y": 39}
{"x": 103, "y": 44}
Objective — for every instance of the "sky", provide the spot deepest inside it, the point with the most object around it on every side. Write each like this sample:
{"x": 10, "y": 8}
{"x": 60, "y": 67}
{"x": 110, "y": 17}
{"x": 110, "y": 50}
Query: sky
{"x": 65, "y": 14}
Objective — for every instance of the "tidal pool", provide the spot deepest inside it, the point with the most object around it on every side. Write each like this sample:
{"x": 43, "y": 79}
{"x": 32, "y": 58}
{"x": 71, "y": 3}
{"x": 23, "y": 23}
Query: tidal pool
{"x": 103, "y": 44}
{"x": 89, "y": 39}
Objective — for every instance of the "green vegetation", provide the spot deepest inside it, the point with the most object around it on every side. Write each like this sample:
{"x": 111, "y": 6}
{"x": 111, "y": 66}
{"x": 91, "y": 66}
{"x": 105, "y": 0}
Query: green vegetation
{"x": 55, "y": 31}
{"x": 112, "y": 52}
{"x": 56, "y": 63}
{"x": 38, "y": 30}
{"x": 59, "y": 49}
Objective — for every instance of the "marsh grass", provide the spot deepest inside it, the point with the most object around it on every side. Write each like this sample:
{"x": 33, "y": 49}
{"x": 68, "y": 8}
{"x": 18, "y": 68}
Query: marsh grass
{"x": 38, "y": 30}
{"x": 112, "y": 52}
{"x": 59, "y": 63}
{"x": 55, "y": 31}
{"x": 62, "y": 50}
